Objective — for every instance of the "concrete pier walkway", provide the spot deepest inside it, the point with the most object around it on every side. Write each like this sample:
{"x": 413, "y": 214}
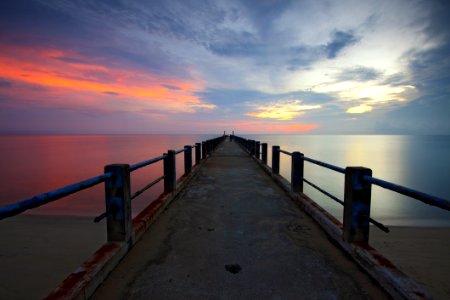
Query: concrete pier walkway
{"x": 234, "y": 234}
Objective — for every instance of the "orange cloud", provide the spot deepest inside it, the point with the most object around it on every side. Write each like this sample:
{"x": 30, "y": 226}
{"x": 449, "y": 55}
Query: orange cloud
{"x": 69, "y": 72}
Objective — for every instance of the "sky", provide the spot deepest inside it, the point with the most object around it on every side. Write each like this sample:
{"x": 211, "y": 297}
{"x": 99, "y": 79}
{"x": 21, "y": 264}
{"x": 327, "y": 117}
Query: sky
{"x": 276, "y": 67}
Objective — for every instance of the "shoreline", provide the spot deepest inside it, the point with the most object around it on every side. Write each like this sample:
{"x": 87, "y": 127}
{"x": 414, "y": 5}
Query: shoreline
{"x": 39, "y": 251}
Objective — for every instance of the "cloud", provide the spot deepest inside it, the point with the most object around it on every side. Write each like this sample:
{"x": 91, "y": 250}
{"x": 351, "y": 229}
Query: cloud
{"x": 285, "y": 110}
{"x": 171, "y": 87}
{"x": 90, "y": 82}
{"x": 5, "y": 83}
{"x": 111, "y": 93}
{"x": 340, "y": 40}
{"x": 234, "y": 43}
{"x": 359, "y": 74}
{"x": 360, "y": 109}
{"x": 228, "y": 61}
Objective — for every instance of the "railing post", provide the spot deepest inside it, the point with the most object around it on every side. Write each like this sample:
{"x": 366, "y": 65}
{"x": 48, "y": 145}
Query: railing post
{"x": 118, "y": 203}
{"x": 252, "y": 147}
{"x": 264, "y": 153}
{"x": 187, "y": 159}
{"x": 297, "y": 172}
{"x": 197, "y": 153}
{"x": 170, "y": 177}
{"x": 276, "y": 159}
{"x": 356, "y": 205}
{"x": 257, "y": 147}
{"x": 203, "y": 150}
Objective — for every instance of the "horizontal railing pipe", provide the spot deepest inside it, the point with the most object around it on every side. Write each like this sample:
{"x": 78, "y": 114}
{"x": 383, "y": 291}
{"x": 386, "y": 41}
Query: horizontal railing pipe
{"x": 423, "y": 197}
{"x": 285, "y": 152}
{"x": 146, "y": 163}
{"x": 13, "y": 209}
{"x": 39, "y": 200}
{"x": 325, "y": 165}
{"x": 137, "y": 193}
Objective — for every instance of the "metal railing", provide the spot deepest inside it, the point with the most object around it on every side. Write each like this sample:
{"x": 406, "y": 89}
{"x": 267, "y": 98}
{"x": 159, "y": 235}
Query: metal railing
{"x": 357, "y": 192}
{"x": 118, "y": 188}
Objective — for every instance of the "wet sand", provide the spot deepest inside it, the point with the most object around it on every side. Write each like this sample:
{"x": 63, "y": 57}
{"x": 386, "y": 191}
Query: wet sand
{"x": 38, "y": 252}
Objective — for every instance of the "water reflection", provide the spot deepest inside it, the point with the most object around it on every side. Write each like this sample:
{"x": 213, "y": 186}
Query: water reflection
{"x": 38, "y": 164}
{"x": 420, "y": 162}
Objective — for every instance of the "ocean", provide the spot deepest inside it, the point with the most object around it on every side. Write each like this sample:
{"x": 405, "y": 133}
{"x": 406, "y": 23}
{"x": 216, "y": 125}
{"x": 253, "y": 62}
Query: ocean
{"x": 33, "y": 165}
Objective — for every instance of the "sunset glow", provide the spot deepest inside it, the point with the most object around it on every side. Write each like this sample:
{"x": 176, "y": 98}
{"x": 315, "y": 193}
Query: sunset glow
{"x": 172, "y": 66}
{"x": 69, "y": 72}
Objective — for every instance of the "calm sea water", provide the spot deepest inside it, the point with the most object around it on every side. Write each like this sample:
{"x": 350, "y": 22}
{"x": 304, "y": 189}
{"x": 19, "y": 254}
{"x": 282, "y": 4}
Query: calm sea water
{"x": 419, "y": 162}
{"x": 36, "y": 164}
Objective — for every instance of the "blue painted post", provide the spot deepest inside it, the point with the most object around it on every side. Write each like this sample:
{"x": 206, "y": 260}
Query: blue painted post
{"x": 297, "y": 172}
{"x": 170, "y": 177}
{"x": 264, "y": 153}
{"x": 356, "y": 205}
{"x": 187, "y": 159}
{"x": 197, "y": 153}
{"x": 118, "y": 203}
{"x": 203, "y": 150}
{"x": 276, "y": 159}
{"x": 257, "y": 148}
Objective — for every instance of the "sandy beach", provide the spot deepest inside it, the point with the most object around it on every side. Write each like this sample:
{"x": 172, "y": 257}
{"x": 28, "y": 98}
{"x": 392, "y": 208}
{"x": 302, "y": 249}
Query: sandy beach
{"x": 420, "y": 252}
{"x": 37, "y": 252}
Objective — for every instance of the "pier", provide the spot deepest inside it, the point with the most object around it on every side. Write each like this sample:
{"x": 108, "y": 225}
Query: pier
{"x": 235, "y": 234}
{"x": 232, "y": 227}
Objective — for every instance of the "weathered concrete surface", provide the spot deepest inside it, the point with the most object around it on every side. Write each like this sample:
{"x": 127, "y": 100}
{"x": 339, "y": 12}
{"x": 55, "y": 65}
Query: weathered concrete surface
{"x": 233, "y": 216}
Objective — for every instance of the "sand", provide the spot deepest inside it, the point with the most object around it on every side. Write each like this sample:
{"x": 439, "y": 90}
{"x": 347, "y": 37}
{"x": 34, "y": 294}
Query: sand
{"x": 420, "y": 252}
{"x": 38, "y": 252}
